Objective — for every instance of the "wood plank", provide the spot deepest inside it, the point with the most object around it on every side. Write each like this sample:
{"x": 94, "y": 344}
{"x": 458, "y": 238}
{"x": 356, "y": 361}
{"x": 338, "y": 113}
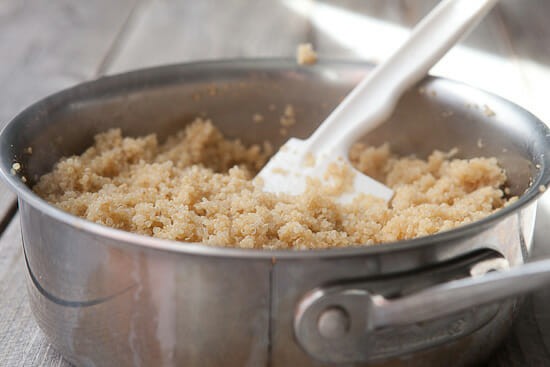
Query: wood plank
{"x": 21, "y": 341}
{"x": 348, "y": 29}
{"x": 209, "y": 29}
{"x": 527, "y": 30}
{"x": 484, "y": 58}
{"x": 7, "y": 205}
{"x": 522, "y": 33}
{"x": 50, "y": 45}
{"x": 47, "y": 46}
{"x": 354, "y": 30}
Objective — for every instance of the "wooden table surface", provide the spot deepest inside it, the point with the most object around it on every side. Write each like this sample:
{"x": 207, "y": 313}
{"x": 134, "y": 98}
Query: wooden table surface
{"x": 49, "y": 45}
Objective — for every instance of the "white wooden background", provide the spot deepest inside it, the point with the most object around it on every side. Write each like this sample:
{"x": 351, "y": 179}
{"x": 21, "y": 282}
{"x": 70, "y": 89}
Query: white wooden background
{"x": 46, "y": 45}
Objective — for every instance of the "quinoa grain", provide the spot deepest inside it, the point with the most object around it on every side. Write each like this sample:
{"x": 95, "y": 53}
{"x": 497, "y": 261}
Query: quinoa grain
{"x": 198, "y": 187}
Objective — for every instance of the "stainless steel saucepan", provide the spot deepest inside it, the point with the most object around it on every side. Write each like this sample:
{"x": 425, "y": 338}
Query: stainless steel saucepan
{"x": 110, "y": 298}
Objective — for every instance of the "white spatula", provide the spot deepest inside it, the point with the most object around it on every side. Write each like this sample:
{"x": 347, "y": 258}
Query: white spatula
{"x": 368, "y": 105}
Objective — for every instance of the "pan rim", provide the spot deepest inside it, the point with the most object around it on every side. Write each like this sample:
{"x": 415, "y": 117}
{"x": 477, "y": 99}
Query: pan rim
{"x": 27, "y": 196}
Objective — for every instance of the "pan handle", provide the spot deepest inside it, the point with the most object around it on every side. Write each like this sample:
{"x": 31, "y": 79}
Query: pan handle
{"x": 458, "y": 295}
{"x": 335, "y": 322}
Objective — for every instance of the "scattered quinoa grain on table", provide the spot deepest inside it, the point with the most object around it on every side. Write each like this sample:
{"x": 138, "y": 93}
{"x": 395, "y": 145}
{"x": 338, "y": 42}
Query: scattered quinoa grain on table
{"x": 198, "y": 187}
{"x": 305, "y": 54}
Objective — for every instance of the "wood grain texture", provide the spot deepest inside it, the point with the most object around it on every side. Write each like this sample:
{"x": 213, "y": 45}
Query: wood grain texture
{"x": 7, "y": 205}
{"x": 170, "y": 31}
{"x": 372, "y": 30}
{"x": 358, "y": 29}
{"x": 50, "y": 45}
{"x": 529, "y": 36}
{"x": 351, "y": 29}
{"x": 515, "y": 40}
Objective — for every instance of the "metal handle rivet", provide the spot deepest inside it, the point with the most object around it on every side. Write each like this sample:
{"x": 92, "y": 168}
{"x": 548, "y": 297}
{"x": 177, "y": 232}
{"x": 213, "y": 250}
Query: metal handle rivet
{"x": 334, "y": 322}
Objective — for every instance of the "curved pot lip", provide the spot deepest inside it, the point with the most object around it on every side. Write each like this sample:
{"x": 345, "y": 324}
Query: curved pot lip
{"x": 27, "y": 196}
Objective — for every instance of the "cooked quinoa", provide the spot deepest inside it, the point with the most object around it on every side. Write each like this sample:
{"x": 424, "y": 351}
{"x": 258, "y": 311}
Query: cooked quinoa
{"x": 197, "y": 187}
{"x": 305, "y": 54}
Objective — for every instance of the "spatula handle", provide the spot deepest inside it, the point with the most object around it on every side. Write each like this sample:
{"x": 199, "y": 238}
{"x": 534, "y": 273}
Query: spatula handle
{"x": 374, "y": 99}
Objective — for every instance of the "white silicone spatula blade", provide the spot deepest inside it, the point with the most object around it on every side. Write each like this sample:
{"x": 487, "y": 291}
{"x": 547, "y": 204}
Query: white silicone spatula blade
{"x": 368, "y": 105}
{"x": 288, "y": 172}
